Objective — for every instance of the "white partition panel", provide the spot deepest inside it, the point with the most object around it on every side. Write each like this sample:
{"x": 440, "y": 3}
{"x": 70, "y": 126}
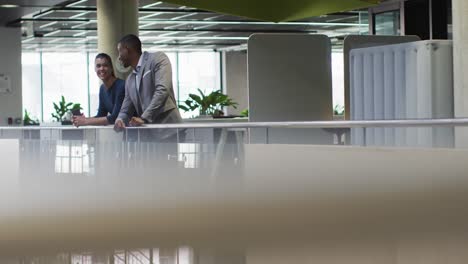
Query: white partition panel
{"x": 403, "y": 81}
{"x": 365, "y": 41}
{"x": 388, "y": 99}
{"x": 400, "y": 95}
{"x": 290, "y": 80}
{"x": 368, "y": 96}
{"x": 411, "y": 92}
{"x": 379, "y": 136}
{"x": 357, "y": 95}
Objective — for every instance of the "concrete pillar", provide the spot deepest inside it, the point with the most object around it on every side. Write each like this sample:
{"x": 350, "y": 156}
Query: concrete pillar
{"x": 460, "y": 60}
{"x": 116, "y": 19}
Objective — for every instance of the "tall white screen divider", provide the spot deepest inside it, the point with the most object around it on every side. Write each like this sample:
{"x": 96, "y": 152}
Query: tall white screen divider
{"x": 403, "y": 81}
{"x": 365, "y": 41}
{"x": 389, "y": 93}
{"x": 290, "y": 80}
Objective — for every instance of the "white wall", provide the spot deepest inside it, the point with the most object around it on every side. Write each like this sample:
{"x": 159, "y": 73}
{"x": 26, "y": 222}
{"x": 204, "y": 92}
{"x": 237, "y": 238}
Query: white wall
{"x": 235, "y": 79}
{"x": 10, "y": 52}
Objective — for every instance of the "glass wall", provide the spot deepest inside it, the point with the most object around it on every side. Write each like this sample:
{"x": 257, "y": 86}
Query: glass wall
{"x": 387, "y": 23}
{"x": 198, "y": 70}
{"x": 94, "y": 84}
{"x": 32, "y": 84}
{"x": 64, "y": 74}
{"x": 338, "y": 79}
{"x": 48, "y": 76}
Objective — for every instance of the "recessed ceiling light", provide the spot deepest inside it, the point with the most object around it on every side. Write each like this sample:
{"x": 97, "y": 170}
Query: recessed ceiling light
{"x": 9, "y": 6}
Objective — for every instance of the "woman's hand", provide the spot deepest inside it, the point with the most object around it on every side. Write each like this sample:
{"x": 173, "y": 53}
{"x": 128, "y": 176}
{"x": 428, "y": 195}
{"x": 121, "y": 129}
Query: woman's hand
{"x": 79, "y": 120}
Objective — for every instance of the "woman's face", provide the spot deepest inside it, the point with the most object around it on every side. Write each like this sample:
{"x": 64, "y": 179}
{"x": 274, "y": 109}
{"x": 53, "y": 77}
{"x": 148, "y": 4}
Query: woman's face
{"x": 103, "y": 68}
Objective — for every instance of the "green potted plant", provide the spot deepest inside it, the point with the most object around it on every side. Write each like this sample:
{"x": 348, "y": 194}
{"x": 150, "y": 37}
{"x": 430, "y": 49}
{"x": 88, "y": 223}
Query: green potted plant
{"x": 244, "y": 113}
{"x": 338, "y": 112}
{"x": 208, "y": 105}
{"x": 28, "y": 121}
{"x": 63, "y": 111}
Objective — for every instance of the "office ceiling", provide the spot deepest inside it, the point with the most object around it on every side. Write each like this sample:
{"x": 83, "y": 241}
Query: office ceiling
{"x": 277, "y": 11}
{"x": 19, "y": 8}
{"x": 72, "y": 26}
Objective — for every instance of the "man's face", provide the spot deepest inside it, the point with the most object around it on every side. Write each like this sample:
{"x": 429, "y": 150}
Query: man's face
{"x": 123, "y": 55}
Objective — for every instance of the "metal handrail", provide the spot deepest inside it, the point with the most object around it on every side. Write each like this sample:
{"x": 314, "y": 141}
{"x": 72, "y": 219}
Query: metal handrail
{"x": 294, "y": 124}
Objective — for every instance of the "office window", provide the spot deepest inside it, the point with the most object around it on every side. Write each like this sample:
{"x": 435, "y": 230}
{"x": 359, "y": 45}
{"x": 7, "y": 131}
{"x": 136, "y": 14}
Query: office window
{"x": 364, "y": 22}
{"x": 94, "y": 85}
{"x": 72, "y": 75}
{"x": 387, "y": 23}
{"x": 64, "y": 74}
{"x": 174, "y": 63}
{"x": 198, "y": 70}
{"x": 338, "y": 78}
{"x": 31, "y": 71}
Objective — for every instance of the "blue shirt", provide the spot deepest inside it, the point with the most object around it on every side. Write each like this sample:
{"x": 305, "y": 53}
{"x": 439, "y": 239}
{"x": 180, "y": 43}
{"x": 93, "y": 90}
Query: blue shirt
{"x": 110, "y": 100}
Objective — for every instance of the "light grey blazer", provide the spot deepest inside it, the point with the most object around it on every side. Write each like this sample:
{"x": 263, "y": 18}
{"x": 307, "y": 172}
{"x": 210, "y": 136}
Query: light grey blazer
{"x": 155, "y": 100}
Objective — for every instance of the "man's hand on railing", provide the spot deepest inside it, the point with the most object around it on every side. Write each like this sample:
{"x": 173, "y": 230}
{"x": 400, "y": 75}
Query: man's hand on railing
{"x": 136, "y": 122}
{"x": 119, "y": 125}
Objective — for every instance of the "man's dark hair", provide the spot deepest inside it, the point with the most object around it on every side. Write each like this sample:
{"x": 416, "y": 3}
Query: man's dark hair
{"x": 131, "y": 41}
{"x": 109, "y": 60}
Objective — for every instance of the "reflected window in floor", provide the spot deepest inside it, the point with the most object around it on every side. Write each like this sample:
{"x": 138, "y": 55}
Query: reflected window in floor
{"x": 72, "y": 157}
{"x": 81, "y": 259}
{"x": 189, "y": 155}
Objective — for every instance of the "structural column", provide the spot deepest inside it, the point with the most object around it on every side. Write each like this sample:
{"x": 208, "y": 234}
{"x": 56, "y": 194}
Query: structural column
{"x": 116, "y": 19}
{"x": 460, "y": 59}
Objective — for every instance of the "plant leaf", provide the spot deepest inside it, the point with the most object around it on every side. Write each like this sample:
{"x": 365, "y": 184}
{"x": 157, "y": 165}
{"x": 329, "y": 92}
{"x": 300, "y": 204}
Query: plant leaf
{"x": 196, "y": 98}
{"x": 184, "y": 108}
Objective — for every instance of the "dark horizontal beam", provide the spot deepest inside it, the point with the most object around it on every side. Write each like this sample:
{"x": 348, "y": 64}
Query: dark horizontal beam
{"x": 205, "y": 22}
{"x": 204, "y": 30}
{"x": 167, "y": 10}
{"x": 145, "y": 44}
{"x": 52, "y": 19}
{"x": 94, "y": 9}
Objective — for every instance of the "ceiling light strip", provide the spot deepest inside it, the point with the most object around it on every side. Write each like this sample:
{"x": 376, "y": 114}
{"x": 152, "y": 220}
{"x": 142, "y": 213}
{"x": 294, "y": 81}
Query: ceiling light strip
{"x": 77, "y": 3}
{"x": 48, "y": 24}
{"x": 197, "y": 38}
{"x": 186, "y": 15}
{"x": 151, "y": 5}
{"x": 52, "y": 33}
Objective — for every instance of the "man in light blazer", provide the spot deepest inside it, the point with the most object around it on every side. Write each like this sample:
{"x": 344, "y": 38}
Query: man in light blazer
{"x": 149, "y": 95}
